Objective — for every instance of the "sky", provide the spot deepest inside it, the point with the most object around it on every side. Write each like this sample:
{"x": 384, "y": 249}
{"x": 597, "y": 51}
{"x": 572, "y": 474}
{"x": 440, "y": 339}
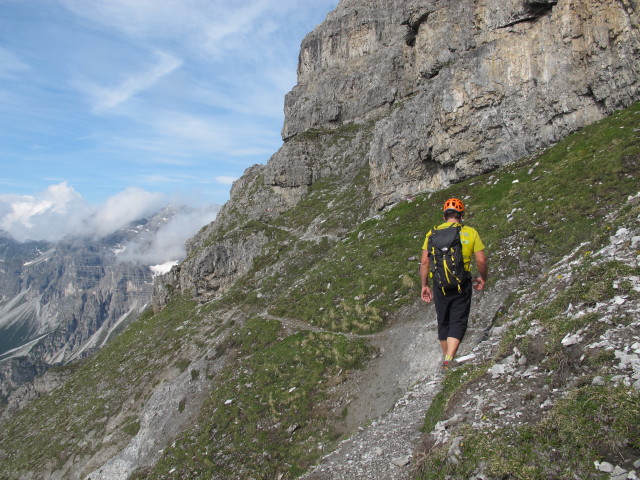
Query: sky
{"x": 110, "y": 109}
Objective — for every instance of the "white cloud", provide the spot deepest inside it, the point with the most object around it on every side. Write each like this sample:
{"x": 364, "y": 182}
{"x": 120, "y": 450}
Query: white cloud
{"x": 168, "y": 245}
{"x": 107, "y": 98}
{"x": 225, "y": 180}
{"x": 51, "y": 215}
{"x": 59, "y": 211}
{"x": 123, "y": 208}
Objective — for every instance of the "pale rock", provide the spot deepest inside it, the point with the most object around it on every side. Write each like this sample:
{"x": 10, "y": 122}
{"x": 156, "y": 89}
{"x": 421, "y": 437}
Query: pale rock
{"x": 619, "y": 473}
{"x": 465, "y": 358}
{"x": 618, "y": 300}
{"x": 571, "y": 339}
{"x": 497, "y": 370}
{"x": 455, "y": 450}
{"x": 510, "y": 360}
{"x": 293, "y": 428}
{"x": 605, "y": 467}
{"x": 401, "y": 461}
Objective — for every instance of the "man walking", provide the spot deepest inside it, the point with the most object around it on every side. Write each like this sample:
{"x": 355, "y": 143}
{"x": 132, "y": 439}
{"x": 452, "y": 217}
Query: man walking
{"x": 452, "y": 296}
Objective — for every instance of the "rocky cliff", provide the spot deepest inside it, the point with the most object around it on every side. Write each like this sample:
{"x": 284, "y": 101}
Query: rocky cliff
{"x": 424, "y": 94}
{"x": 463, "y": 87}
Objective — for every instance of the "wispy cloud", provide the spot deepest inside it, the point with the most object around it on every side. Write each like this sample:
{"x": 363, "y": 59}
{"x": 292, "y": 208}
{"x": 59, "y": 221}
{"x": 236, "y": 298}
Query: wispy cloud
{"x": 225, "y": 180}
{"x": 10, "y": 64}
{"x": 107, "y": 98}
{"x": 214, "y": 26}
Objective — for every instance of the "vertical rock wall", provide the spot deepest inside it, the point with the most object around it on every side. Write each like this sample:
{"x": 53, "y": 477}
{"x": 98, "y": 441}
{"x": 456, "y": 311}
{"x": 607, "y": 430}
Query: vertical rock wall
{"x": 464, "y": 86}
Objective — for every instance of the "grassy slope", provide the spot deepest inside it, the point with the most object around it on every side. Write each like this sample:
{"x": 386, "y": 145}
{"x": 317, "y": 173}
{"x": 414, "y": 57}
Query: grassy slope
{"x": 275, "y": 421}
{"x": 590, "y": 176}
{"x": 554, "y": 201}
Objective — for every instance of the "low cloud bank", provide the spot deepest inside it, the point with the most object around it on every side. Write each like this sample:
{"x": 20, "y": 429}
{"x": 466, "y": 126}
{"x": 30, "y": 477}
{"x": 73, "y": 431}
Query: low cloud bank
{"x": 167, "y": 245}
{"x": 60, "y": 211}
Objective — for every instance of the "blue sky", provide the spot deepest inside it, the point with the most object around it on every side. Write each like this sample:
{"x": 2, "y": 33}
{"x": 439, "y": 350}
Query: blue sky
{"x": 139, "y": 100}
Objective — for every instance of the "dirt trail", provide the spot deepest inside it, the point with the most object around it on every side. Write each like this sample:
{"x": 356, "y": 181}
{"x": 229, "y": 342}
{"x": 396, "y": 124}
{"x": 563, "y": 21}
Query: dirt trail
{"x": 387, "y": 401}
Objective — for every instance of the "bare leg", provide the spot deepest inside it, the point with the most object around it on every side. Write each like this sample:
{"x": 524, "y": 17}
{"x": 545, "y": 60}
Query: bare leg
{"x": 444, "y": 346}
{"x": 452, "y": 345}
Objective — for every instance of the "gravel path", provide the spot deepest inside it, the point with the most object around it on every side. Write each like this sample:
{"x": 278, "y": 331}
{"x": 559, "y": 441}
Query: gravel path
{"x": 387, "y": 401}
{"x": 384, "y": 449}
{"x": 391, "y": 396}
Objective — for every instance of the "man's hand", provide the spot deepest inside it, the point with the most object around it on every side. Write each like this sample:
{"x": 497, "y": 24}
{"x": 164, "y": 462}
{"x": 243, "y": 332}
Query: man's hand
{"x": 481, "y": 262}
{"x": 427, "y": 294}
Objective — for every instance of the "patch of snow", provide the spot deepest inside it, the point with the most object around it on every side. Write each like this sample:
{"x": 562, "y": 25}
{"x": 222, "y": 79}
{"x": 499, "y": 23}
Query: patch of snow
{"x": 163, "y": 268}
{"x": 43, "y": 257}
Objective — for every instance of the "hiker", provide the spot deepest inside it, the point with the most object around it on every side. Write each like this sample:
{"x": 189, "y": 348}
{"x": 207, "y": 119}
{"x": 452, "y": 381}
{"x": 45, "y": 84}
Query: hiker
{"x": 452, "y": 281}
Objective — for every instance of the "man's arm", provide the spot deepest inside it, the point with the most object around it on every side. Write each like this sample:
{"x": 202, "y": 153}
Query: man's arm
{"x": 426, "y": 294}
{"x": 483, "y": 269}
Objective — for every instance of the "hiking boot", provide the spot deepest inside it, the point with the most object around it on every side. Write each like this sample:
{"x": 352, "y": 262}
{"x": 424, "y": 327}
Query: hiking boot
{"x": 445, "y": 365}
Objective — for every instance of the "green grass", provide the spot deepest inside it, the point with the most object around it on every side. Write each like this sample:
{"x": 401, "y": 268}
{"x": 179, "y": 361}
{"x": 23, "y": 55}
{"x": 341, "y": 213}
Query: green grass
{"x": 590, "y": 423}
{"x": 265, "y": 418}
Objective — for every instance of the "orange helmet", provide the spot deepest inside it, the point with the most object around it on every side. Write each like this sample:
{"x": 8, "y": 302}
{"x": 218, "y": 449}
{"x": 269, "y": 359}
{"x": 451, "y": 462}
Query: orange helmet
{"x": 453, "y": 204}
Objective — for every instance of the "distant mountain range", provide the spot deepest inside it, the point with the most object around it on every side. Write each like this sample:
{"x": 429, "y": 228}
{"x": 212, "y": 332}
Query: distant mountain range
{"x": 59, "y": 302}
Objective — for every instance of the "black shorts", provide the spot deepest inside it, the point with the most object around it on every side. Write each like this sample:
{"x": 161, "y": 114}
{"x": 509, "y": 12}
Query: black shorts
{"x": 452, "y": 310}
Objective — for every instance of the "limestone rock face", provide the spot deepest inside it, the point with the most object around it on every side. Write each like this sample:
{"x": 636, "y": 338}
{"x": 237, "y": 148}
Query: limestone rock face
{"x": 423, "y": 94}
{"x": 463, "y": 86}
{"x": 210, "y": 269}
